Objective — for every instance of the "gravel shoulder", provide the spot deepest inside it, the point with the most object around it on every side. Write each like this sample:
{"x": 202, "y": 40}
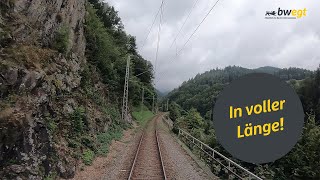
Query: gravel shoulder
{"x": 178, "y": 161}
{"x": 117, "y": 164}
{"x": 114, "y": 165}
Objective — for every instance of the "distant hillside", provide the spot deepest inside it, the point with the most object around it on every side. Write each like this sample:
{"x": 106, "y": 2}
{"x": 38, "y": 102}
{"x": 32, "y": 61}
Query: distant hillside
{"x": 268, "y": 69}
{"x": 200, "y": 91}
{"x": 285, "y": 73}
{"x": 161, "y": 94}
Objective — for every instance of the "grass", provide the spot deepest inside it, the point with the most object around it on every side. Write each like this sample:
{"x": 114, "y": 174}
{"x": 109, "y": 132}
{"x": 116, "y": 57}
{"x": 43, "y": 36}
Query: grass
{"x": 143, "y": 116}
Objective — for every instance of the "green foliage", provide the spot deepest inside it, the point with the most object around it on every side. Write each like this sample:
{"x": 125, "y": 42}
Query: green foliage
{"x": 105, "y": 138}
{"x": 78, "y": 118}
{"x": 85, "y": 77}
{"x": 61, "y": 42}
{"x": 88, "y": 141}
{"x": 74, "y": 143}
{"x": 88, "y": 157}
{"x": 174, "y": 111}
{"x": 142, "y": 68}
{"x": 101, "y": 49}
{"x": 304, "y": 160}
{"x": 51, "y": 176}
{"x": 292, "y": 73}
{"x": 109, "y": 16}
{"x": 142, "y": 116}
{"x": 95, "y": 96}
{"x": 194, "y": 119}
{"x": 264, "y": 171}
{"x": 309, "y": 92}
{"x": 108, "y": 47}
{"x": 193, "y": 123}
{"x": 51, "y": 124}
{"x": 113, "y": 112}
{"x": 110, "y": 110}
{"x": 201, "y": 91}
{"x": 211, "y": 139}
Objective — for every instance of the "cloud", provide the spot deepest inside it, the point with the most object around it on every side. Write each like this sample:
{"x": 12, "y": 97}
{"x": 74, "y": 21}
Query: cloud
{"x": 235, "y": 33}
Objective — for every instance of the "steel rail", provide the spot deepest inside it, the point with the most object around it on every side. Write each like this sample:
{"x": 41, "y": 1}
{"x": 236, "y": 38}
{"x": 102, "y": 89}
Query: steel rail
{"x": 216, "y": 156}
{"x": 159, "y": 153}
{"x": 135, "y": 157}
{"x": 161, "y": 159}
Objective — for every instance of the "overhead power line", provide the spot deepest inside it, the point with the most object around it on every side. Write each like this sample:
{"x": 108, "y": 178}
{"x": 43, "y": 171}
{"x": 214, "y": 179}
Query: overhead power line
{"x": 175, "y": 39}
{"x": 157, "y": 51}
{"x": 158, "y": 41}
{"x": 184, "y": 45}
{"x": 154, "y": 20}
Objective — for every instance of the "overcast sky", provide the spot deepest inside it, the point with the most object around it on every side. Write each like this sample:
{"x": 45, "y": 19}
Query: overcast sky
{"x": 235, "y": 33}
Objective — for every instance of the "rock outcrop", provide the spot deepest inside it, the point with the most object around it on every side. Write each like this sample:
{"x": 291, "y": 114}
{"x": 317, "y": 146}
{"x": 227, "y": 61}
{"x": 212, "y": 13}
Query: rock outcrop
{"x": 39, "y": 86}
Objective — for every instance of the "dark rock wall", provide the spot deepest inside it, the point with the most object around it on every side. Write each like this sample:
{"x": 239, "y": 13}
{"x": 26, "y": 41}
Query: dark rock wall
{"x": 36, "y": 87}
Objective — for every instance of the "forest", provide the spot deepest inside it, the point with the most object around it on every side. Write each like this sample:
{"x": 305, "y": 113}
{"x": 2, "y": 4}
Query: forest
{"x": 108, "y": 47}
{"x": 191, "y": 108}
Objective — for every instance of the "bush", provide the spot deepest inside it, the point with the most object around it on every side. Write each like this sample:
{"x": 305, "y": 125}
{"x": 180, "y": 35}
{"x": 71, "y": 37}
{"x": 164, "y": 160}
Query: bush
{"x": 78, "y": 120}
{"x": 51, "y": 124}
{"x": 105, "y": 139}
{"x": 107, "y": 49}
{"x": 113, "y": 112}
{"x": 88, "y": 157}
{"x": 73, "y": 143}
{"x": 175, "y": 128}
{"x": 51, "y": 176}
{"x": 89, "y": 142}
{"x": 62, "y": 39}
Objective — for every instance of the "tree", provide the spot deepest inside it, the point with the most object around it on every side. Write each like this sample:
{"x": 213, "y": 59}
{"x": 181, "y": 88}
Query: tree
{"x": 174, "y": 111}
{"x": 303, "y": 161}
{"x": 107, "y": 49}
{"x": 309, "y": 93}
{"x": 194, "y": 119}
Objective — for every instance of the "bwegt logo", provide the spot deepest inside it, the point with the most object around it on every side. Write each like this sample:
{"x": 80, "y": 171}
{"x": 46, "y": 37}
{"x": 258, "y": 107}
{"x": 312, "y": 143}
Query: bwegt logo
{"x": 286, "y": 14}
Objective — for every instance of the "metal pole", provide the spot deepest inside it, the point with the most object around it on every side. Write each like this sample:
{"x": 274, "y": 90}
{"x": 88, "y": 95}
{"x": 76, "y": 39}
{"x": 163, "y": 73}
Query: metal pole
{"x": 153, "y": 108}
{"x": 124, "y": 114}
{"x": 156, "y": 105}
{"x": 167, "y": 104}
{"x": 142, "y": 99}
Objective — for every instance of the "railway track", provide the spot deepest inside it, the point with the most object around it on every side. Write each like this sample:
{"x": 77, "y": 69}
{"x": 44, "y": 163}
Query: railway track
{"x": 148, "y": 162}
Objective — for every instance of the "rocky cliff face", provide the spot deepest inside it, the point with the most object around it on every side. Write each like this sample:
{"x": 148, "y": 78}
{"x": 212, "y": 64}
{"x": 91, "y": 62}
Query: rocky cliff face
{"x": 41, "y": 58}
{"x": 36, "y": 22}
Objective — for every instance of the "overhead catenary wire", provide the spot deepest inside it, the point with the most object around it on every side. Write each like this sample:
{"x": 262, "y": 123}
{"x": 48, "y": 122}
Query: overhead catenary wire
{"x": 154, "y": 20}
{"x": 158, "y": 40}
{"x": 184, "y": 45}
{"x": 188, "y": 16}
{"x": 158, "y": 37}
{"x": 205, "y": 17}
